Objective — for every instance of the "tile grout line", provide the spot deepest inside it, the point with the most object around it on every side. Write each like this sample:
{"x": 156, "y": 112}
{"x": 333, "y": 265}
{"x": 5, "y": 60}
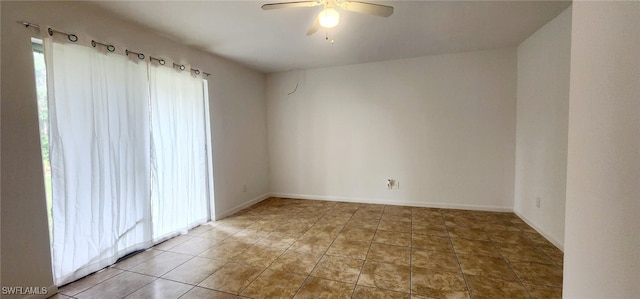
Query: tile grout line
{"x": 91, "y": 287}
{"x": 123, "y": 271}
{"x": 232, "y": 261}
{"x": 368, "y": 250}
{"x": 411, "y": 256}
{"x": 160, "y": 277}
{"x": 265, "y": 269}
{"x": 539, "y": 247}
{"x": 156, "y": 278}
{"x": 193, "y": 257}
{"x": 225, "y": 260}
{"x": 493, "y": 242}
{"x": 464, "y": 277}
{"x": 536, "y": 245}
{"x": 192, "y": 287}
{"x": 391, "y": 263}
{"x": 323, "y": 254}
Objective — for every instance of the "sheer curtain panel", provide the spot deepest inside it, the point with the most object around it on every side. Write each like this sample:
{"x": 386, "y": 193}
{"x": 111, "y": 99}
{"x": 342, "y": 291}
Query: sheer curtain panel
{"x": 100, "y": 158}
{"x": 178, "y": 154}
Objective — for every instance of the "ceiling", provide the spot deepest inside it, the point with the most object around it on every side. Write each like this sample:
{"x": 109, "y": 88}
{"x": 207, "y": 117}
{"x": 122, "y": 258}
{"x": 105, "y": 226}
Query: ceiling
{"x": 275, "y": 40}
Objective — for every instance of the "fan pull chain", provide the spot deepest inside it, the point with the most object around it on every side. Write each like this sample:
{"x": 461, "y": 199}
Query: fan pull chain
{"x": 326, "y": 36}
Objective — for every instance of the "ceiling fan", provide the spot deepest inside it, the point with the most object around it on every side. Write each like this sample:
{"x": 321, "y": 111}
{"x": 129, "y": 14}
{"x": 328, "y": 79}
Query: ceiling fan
{"x": 329, "y": 16}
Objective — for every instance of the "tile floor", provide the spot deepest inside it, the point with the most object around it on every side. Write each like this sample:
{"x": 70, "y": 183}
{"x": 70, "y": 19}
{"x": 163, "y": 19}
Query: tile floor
{"x": 283, "y": 248}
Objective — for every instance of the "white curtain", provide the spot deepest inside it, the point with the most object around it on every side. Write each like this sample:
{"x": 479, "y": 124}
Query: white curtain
{"x": 100, "y": 158}
{"x": 178, "y": 152}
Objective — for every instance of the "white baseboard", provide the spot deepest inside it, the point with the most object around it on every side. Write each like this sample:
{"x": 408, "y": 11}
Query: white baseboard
{"x": 397, "y": 203}
{"x": 239, "y": 207}
{"x": 541, "y": 231}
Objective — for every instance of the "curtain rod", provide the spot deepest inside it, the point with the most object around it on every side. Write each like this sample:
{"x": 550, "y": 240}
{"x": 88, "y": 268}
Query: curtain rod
{"x": 111, "y": 48}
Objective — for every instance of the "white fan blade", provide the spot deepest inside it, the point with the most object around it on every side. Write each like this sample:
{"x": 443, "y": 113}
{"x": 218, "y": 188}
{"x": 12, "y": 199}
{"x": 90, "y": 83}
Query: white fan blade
{"x": 290, "y": 4}
{"x": 314, "y": 28}
{"x": 368, "y": 8}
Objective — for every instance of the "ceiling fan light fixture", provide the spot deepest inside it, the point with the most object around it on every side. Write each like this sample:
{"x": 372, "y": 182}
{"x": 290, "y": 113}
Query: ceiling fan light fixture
{"x": 329, "y": 18}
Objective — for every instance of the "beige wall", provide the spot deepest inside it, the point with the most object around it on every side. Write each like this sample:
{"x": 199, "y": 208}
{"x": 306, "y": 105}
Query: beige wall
{"x": 542, "y": 124}
{"x": 26, "y": 259}
{"x": 238, "y": 121}
{"x": 602, "y": 233}
{"x": 443, "y": 126}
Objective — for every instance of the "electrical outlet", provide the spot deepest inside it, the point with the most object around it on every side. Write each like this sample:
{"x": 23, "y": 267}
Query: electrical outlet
{"x": 393, "y": 184}
{"x": 244, "y": 188}
{"x": 538, "y": 202}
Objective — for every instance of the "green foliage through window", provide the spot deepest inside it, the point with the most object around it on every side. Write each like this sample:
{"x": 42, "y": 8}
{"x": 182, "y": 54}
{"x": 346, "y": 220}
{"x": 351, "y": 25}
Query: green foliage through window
{"x": 43, "y": 116}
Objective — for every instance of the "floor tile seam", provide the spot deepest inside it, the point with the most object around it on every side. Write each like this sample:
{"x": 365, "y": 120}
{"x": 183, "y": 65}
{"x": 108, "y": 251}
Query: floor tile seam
{"x": 192, "y": 287}
{"x": 464, "y": 277}
{"x": 543, "y": 285}
{"x": 61, "y": 293}
{"x": 198, "y": 283}
{"x": 387, "y": 289}
{"x": 68, "y": 295}
{"x": 439, "y": 270}
{"x": 191, "y": 257}
{"x": 134, "y": 272}
{"x": 150, "y": 282}
{"x": 510, "y": 267}
{"x": 135, "y": 265}
{"x": 217, "y": 290}
{"x": 325, "y": 253}
{"x": 537, "y": 263}
{"x": 217, "y": 239}
{"x": 496, "y": 278}
{"x": 309, "y": 274}
{"x": 539, "y": 247}
{"x": 550, "y": 263}
{"x": 187, "y": 283}
{"x": 156, "y": 278}
{"x": 185, "y": 235}
{"x": 194, "y": 255}
{"x": 316, "y": 265}
{"x": 335, "y": 280}
{"x": 285, "y": 250}
{"x": 365, "y": 260}
{"x": 411, "y": 256}
{"x": 481, "y": 255}
{"x": 200, "y": 233}
{"x": 395, "y": 231}
{"x": 94, "y": 285}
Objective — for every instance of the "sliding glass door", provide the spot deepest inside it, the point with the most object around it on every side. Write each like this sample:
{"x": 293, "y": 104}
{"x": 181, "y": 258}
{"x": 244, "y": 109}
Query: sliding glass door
{"x": 178, "y": 142}
{"x": 99, "y": 144}
{"x": 127, "y": 144}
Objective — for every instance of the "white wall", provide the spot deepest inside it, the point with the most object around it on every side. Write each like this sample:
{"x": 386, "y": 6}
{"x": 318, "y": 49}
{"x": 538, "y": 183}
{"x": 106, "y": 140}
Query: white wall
{"x": 443, "y": 126}
{"x": 238, "y": 120}
{"x": 542, "y": 124}
{"x": 602, "y": 233}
